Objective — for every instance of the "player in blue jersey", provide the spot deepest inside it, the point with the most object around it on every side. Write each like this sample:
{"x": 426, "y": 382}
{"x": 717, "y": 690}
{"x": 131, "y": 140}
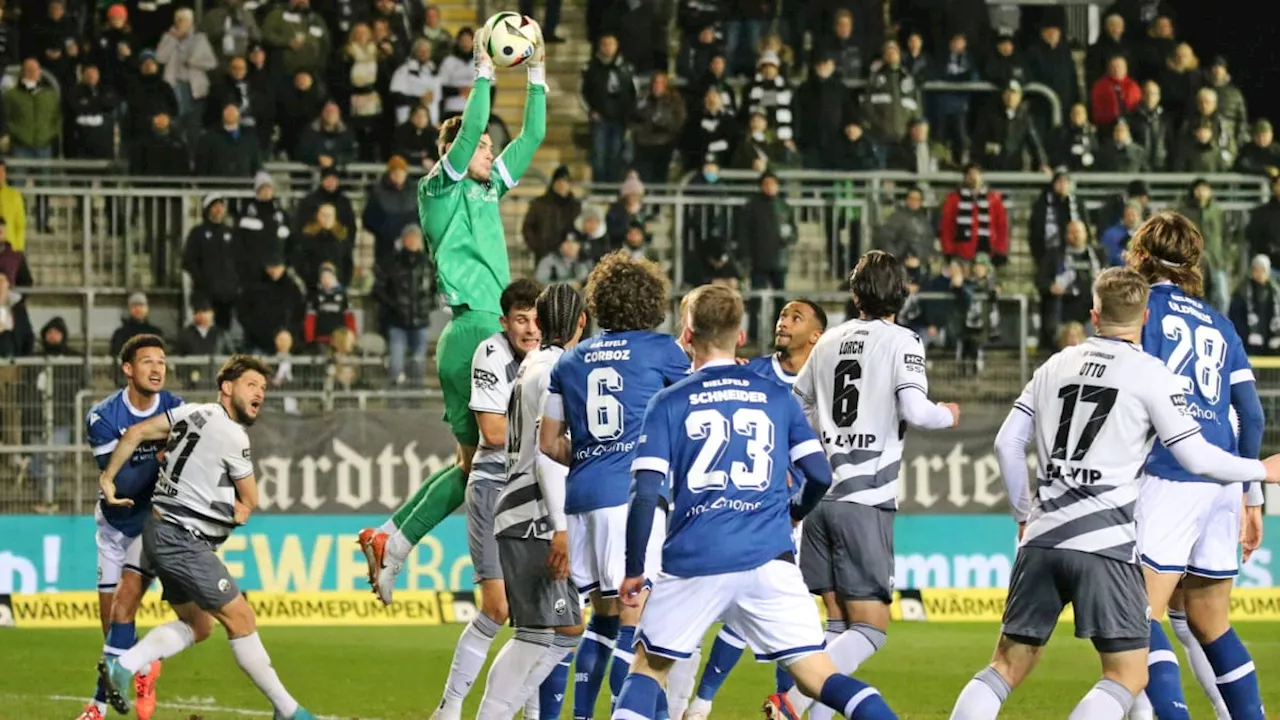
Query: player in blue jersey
{"x": 1188, "y": 525}
{"x": 799, "y": 326}
{"x": 598, "y": 392}
{"x": 121, "y": 583}
{"x": 715, "y": 449}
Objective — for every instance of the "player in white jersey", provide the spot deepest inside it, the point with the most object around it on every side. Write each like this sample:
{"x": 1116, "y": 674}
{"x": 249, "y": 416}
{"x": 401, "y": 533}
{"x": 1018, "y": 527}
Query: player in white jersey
{"x": 1094, "y": 411}
{"x": 206, "y": 488}
{"x": 493, "y": 370}
{"x": 530, "y": 530}
{"x": 863, "y": 384}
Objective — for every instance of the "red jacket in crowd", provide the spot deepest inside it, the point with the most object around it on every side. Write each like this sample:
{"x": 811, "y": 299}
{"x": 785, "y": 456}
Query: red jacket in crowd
{"x": 975, "y": 221}
{"x": 1112, "y": 99}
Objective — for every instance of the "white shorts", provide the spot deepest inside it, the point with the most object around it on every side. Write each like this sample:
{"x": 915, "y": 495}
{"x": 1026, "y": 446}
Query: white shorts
{"x": 770, "y": 607}
{"x": 598, "y": 549}
{"x": 117, "y": 553}
{"x": 1191, "y": 527}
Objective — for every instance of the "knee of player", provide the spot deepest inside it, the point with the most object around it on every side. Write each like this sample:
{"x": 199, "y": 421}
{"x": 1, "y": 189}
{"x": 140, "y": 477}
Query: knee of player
{"x": 1132, "y": 675}
{"x": 1014, "y": 659}
{"x": 201, "y": 627}
{"x": 496, "y": 609}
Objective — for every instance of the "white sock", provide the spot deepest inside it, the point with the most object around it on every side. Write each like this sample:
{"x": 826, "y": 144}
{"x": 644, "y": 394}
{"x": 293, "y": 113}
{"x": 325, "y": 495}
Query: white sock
{"x": 982, "y": 697}
{"x": 253, "y": 660}
{"x": 1142, "y": 708}
{"x": 508, "y": 680}
{"x": 468, "y": 660}
{"x": 561, "y": 646}
{"x": 388, "y": 527}
{"x": 847, "y": 651}
{"x": 1200, "y": 666}
{"x": 163, "y": 641}
{"x": 398, "y": 546}
{"x": 697, "y": 704}
{"x": 532, "y": 707}
{"x": 681, "y": 682}
{"x": 1108, "y": 700}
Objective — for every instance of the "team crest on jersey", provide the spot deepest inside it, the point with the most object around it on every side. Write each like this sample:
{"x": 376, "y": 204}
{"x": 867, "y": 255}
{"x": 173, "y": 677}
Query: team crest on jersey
{"x": 561, "y": 606}
{"x": 914, "y": 363}
{"x": 484, "y": 379}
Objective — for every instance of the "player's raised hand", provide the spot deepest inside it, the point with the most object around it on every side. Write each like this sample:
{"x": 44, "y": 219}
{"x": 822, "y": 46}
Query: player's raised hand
{"x": 558, "y": 557}
{"x": 108, "y": 486}
{"x": 629, "y": 592}
{"x": 539, "y": 58}
{"x": 480, "y": 48}
{"x": 955, "y": 412}
{"x": 1272, "y": 464}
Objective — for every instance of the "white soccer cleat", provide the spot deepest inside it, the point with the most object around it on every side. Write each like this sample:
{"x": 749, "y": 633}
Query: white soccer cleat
{"x": 698, "y": 709}
{"x": 444, "y": 713}
{"x": 692, "y": 714}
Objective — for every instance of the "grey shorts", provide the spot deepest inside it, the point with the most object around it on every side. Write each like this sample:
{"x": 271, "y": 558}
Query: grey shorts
{"x": 482, "y": 499}
{"x": 534, "y": 599}
{"x": 847, "y": 548}
{"x": 187, "y": 566}
{"x": 1109, "y": 598}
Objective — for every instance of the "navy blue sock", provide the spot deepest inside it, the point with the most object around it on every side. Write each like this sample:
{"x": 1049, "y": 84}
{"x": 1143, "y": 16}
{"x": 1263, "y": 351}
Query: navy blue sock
{"x": 1237, "y": 678}
{"x": 783, "y": 681}
{"x": 725, "y": 653}
{"x": 1164, "y": 682}
{"x": 854, "y": 699}
{"x": 662, "y": 712}
{"x": 120, "y": 637}
{"x": 623, "y": 653}
{"x": 551, "y": 691}
{"x": 639, "y": 697}
{"x": 592, "y": 663}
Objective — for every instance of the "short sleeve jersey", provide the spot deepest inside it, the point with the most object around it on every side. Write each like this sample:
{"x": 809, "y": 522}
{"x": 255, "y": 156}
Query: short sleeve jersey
{"x": 206, "y": 455}
{"x": 723, "y": 439}
{"x": 493, "y": 369}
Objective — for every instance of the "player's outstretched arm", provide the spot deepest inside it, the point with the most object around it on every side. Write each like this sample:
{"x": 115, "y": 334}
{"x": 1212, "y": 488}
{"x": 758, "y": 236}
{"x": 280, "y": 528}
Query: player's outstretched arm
{"x": 517, "y": 156}
{"x": 1011, "y": 456}
{"x": 152, "y": 429}
{"x": 475, "y": 115}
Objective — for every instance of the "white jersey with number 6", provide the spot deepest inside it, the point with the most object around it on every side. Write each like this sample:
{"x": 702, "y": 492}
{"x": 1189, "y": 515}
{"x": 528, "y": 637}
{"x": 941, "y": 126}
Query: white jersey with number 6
{"x": 849, "y": 389}
{"x": 1097, "y": 408}
{"x": 206, "y": 454}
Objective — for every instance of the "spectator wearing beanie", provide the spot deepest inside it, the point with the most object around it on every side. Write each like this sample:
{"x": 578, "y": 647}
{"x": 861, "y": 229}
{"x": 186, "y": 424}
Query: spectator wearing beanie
{"x": 209, "y": 258}
{"x": 147, "y": 94}
{"x": 135, "y": 322}
{"x": 115, "y": 50}
{"x": 390, "y": 204}
{"x": 627, "y": 209}
{"x": 1255, "y": 309}
{"x": 565, "y": 265}
{"x": 327, "y": 308}
{"x": 551, "y": 215}
{"x": 263, "y": 231}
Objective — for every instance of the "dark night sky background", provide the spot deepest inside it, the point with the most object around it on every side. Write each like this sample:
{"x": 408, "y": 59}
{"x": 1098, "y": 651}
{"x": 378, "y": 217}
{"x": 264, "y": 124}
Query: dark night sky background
{"x": 1248, "y": 42}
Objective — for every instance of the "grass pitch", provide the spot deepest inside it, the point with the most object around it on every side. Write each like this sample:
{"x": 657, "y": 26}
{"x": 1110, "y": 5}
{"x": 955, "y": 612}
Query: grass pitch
{"x": 398, "y": 673}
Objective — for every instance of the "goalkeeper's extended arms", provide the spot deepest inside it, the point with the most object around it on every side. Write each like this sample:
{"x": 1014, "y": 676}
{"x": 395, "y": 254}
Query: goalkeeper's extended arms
{"x": 475, "y": 116}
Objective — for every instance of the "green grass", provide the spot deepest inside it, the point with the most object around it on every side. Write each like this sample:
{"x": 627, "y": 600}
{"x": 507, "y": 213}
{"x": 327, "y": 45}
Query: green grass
{"x": 398, "y": 673}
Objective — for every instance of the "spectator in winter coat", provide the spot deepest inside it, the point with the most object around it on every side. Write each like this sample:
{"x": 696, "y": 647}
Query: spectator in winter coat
{"x": 33, "y": 113}
{"x": 1065, "y": 282}
{"x": 390, "y": 205}
{"x": 1057, "y": 206}
{"x": 415, "y": 140}
{"x": 1231, "y": 104}
{"x": 148, "y": 95}
{"x": 92, "y": 109}
{"x": 843, "y": 48}
{"x": 273, "y": 301}
{"x": 909, "y": 230}
{"x": 823, "y": 106}
{"x": 770, "y": 92}
{"x": 52, "y": 37}
{"x": 13, "y": 263}
{"x": 974, "y": 220}
{"x": 13, "y": 210}
{"x": 115, "y": 50}
{"x": 718, "y": 266}
{"x": 1005, "y": 135}
{"x": 1115, "y": 95}
{"x": 1200, "y": 153}
{"x": 135, "y": 322}
{"x": 209, "y": 258}
{"x": 766, "y": 230}
{"x": 416, "y": 84}
{"x": 1115, "y": 239}
{"x": 324, "y": 240}
{"x": 716, "y": 78}
{"x": 299, "y": 37}
{"x": 1180, "y": 80}
{"x": 403, "y": 285}
{"x": 893, "y": 98}
{"x": 327, "y": 142}
{"x": 187, "y": 58}
{"x": 231, "y": 29}
{"x": 1113, "y": 210}
{"x": 300, "y": 103}
{"x": 855, "y": 153}
{"x": 565, "y": 265}
{"x": 916, "y": 60}
{"x": 457, "y": 75}
{"x": 1255, "y": 309}
{"x": 697, "y": 50}
{"x": 263, "y": 231}
{"x": 951, "y": 109}
{"x": 712, "y": 133}
{"x": 160, "y": 152}
{"x": 432, "y": 28}
{"x": 202, "y": 337}
{"x": 328, "y": 308}
{"x": 759, "y": 150}
{"x": 1151, "y": 128}
{"x": 1049, "y": 62}
{"x": 1005, "y": 65}
{"x": 150, "y": 20}
{"x": 16, "y": 336}
{"x": 1221, "y": 257}
{"x": 1263, "y": 231}
{"x": 610, "y": 96}
{"x": 655, "y": 129}
{"x": 1206, "y": 113}
{"x": 551, "y": 216}
{"x": 918, "y": 154}
{"x": 1261, "y": 156}
{"x": 230, "y": 150}
{"x": 1077, "y": 142}
{"x": 1112, "y": 43}
{"x": 592, "y": 235}
{"x": 627, "y": 210}
{"x": 250, "y": 94}
{"x": 356, "y": 79}
{"x": 1121, "y": 154}
{"x": 328, "y": 192}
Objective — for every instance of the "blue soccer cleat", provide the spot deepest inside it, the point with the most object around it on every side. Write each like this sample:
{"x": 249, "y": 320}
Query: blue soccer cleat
{"x": 117, "y": 681}
{"x": 778, "y": 707}
{"x": 301, "y": 714}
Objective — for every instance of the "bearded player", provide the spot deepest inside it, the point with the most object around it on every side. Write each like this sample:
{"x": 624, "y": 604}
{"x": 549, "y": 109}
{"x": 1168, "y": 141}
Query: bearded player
{"x": 458, "y": 210}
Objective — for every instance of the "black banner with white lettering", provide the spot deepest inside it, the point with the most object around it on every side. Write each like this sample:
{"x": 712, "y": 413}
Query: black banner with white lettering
{"x": 369, "y": 462}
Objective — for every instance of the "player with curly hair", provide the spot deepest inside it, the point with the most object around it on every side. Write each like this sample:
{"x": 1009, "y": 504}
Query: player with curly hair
{"x": 598, "y": 393}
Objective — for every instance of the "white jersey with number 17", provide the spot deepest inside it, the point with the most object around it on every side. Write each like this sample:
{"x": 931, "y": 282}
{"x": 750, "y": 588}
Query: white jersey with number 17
{"x": 207, "y": 453}
{"x": 849, "y": 390}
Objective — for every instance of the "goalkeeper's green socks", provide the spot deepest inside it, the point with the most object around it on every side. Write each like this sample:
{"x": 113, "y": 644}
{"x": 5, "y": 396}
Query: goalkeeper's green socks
{"x": 438, "y": 497}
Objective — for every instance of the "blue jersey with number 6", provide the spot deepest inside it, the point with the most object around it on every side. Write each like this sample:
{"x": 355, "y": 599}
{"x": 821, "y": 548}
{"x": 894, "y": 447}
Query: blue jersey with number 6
{"x": 723, "y": 437}
{"x": 602, "y": 387}
{"x": 1202, "y": 348}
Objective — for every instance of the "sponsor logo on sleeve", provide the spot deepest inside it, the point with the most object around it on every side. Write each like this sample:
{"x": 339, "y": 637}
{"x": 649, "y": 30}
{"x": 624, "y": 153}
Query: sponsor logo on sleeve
{"x": 1180, "y": 402}
{"x": 483, "y": 379}
{"x": 914, "y": 363}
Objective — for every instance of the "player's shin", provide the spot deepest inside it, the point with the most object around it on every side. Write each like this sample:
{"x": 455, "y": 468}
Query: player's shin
{"x": 684, "y": 674}
{"x": 623, "y": 656}
{"x": 1164, "y": 684}
{"x": 982, "y": 697}
{"x": 163, "y": 641}
{"x": 638, "y": 699}
{"x": 468, "y": 660}
{"x": 725, "y": 653}
{"x": 591, "y": 665}
{"x": 252, "y": 658}
{"x": 554, "y": 688}
{"x": 1200, "y": 666}
{"x": 1107, "y": 700}
{"x": 1237, "y": 676}
{"x": 509, "y": 677}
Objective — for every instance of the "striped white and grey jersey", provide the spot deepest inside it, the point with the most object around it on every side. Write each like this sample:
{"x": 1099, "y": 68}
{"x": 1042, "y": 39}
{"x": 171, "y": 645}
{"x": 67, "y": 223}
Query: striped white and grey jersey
{"x": 1097, "y": 408}
{"x": 206, "y": 454}
{"x": 849, "y": 389}
{"x": 493, "y": 368}
{"x": 520, "y": 511}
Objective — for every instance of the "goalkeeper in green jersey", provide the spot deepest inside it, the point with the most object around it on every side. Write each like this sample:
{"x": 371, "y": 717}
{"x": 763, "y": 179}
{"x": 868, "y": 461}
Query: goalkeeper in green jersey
{"x": 458, "y": 211}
